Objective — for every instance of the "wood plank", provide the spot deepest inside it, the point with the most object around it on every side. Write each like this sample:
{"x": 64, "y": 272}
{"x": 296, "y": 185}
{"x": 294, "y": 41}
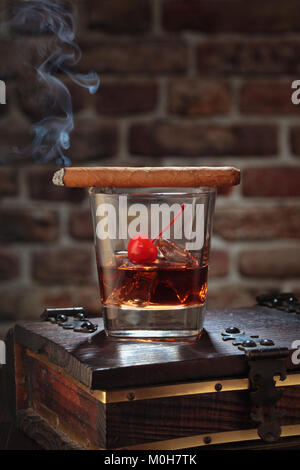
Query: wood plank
{"x": 52, "y": 439}
{"x": 175, "y": 417}
{"x": 104, "y": 363}
{"x": 43, "y": 433}
{"x": 52, "y": 394}
{"x": 10, "y": 437}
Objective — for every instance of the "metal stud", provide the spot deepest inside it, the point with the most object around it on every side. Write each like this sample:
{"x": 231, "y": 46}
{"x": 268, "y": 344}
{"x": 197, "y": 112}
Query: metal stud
{"x": 249, "y": 344}
{"x": 207, "y": 440}
{"x": 61, "y": 318}
{"x": 232, "y": 330}
{"x": 266, "y": 342}
{"x": 80, "y": 316}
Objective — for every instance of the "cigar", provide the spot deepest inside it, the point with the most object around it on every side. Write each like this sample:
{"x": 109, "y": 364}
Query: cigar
{"x": 139, "y": 177}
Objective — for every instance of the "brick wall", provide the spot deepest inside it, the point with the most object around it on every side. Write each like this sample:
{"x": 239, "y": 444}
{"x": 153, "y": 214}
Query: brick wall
{"x": 198, "y": 82}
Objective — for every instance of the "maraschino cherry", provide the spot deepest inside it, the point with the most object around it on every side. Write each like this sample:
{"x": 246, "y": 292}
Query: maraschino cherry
{"x": 141, "y": 250}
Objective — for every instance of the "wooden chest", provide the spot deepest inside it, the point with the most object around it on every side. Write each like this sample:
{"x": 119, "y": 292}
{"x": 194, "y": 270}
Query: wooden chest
{"x": 78, "y": 390}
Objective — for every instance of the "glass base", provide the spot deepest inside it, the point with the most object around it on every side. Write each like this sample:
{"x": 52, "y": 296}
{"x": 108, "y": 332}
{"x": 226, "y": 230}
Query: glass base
{"x": 179, "y": 323}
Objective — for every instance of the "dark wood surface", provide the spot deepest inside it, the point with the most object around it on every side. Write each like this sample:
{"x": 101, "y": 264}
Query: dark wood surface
{"x": 103, "y": 363}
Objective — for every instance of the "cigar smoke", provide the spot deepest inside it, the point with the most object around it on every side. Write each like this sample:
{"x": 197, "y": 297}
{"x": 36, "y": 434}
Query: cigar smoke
{"x": 54, "y": 19}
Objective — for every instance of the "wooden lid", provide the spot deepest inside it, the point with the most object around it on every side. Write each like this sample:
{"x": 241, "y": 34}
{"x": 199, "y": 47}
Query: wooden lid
{"x": 104, "y": 363}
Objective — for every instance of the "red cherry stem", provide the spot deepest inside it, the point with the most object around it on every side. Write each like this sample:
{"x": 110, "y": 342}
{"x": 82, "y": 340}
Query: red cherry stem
{"x": 171, "y": 223}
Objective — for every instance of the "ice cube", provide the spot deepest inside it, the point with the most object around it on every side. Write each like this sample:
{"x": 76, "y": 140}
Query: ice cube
{"x": 175, "y": 253}
{"x": 136, "y": 290}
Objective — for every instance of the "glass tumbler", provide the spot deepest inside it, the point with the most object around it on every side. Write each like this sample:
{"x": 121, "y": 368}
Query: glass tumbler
{"x": 152, "y": 250}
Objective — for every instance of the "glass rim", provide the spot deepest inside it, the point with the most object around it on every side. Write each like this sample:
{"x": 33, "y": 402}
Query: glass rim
{"x": 153, "y": 191}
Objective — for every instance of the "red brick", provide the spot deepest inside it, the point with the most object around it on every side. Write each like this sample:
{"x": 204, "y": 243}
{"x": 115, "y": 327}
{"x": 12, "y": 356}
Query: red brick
{"x": 89, "y": 297}
{"x": 81, "y": 97}
{"x": 58, "y": 298}
{"x": 83, "y": 296}
{"x": 92, "y": 139}
{"x": 270, "y": 263}
{"x": 194, "y": 97}
{"x": 117, "y": 98}
{"x": 271, "y": 182}
{"x": 9, "y": 265}
{"x": 237, "y": 295}
{"x": 229, "y": 296}
{"x": 14, "y": 134}
{"x": 27, "y": 304}
{"x": 68, "y": 296}
{"x": 218, "y": 263}
{"x": 295, "y": 139}
{"x": 252, "y": 56}
{"x": 8, "y": 182}
{"x": 146, "y": 56}
{"x": 215, "y": 16}
{"x": 81, "y": 225}
{"x": 41, "y": 186}
{"x": 164, "y": 138}
{"x": 20, "y": 303}
{"x": 259, "y": 222}
{"x": 28, "y": 225}
{"x": 9, "y": 304}
{"x": 119, "y": 16}
{"x": 268, "y": 97}
{"x": 30, "y": 300}
{"x": 35, "y": 100}
{"x": 13, "y": 53}
{"x": 32, "y": 25}
{"x": 63, "y": 264}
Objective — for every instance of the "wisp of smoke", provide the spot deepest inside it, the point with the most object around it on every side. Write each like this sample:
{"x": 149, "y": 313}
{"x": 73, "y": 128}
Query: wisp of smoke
{"x": 52, "y": 134}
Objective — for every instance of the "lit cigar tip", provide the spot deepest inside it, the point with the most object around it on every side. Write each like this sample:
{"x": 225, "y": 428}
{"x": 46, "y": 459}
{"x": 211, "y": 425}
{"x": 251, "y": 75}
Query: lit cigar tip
{"x": 58, "y": 177}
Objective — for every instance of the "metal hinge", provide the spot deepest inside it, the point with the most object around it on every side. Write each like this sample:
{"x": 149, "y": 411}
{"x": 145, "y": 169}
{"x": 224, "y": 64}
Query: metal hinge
{"x": 265, "y": 360}
{"x": 286, "y": 301}
{"x": 73, "y": 318}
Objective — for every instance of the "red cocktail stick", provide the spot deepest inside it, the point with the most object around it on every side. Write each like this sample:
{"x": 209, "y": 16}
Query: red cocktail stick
{"x": 171, "y": 223}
